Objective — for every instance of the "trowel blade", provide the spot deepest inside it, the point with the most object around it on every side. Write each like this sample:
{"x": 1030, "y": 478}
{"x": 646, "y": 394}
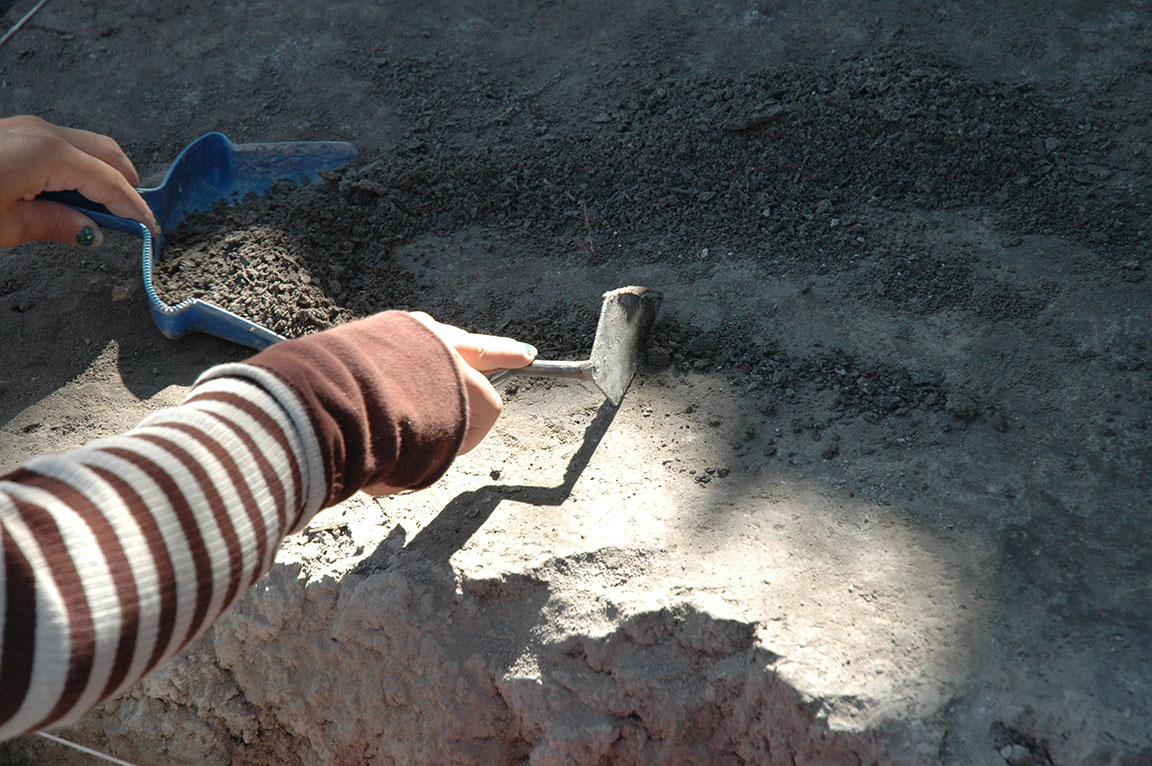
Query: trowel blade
{"x": 626, "y": 318}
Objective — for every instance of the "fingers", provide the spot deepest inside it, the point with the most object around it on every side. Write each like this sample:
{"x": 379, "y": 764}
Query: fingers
{"x": 482, "y": 352}
{"x": 484, "y": 408}
{"x": 99, "y": 182}
{"x": 39, "y": 220}
{"x": 102, "y": 148}
{"x": 489, "y": 352}
{"x": 37, "y": 156}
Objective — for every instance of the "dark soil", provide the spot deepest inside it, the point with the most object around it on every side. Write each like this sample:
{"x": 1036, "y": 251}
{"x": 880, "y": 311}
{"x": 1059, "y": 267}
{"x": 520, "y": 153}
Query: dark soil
{"x": 807, "y": 169}
{"x": 904, "y": 251}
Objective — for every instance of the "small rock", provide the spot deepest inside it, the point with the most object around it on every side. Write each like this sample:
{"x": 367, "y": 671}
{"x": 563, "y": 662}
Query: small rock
{"x": 1132, "y": 272}
{"x": 962, "y": 406}
{"x": 1019, "y": 754}
{"x": 1012, "y": 242}
{"x": 658, "y": 356}
{"x": 124, "y": 290}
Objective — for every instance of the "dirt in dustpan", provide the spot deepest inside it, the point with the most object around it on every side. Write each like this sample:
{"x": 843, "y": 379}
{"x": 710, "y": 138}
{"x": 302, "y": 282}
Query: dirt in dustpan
{"x": 243, "y": 258}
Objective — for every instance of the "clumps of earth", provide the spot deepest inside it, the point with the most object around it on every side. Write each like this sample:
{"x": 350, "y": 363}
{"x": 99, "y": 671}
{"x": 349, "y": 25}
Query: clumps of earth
{"x": 238, "y": 258}
{"x": 819, "y": 170}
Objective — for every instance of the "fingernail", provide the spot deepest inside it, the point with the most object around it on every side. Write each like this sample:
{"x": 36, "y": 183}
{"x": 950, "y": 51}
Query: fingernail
{"x": 532, "y": 352}
{"x": 89, "y": 237}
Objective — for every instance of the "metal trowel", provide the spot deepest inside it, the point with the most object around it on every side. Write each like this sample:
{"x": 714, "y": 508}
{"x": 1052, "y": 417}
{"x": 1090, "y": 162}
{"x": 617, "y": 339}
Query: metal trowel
{"x": 626, "y": 318}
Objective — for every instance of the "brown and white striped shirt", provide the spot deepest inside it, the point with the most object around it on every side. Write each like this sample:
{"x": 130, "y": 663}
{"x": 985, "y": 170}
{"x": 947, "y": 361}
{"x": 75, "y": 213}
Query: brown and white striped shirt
{"x": 116, "y": 555}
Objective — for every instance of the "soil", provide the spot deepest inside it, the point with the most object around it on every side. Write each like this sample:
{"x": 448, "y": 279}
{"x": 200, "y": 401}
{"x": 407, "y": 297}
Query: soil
{"x": 903, "y": 371}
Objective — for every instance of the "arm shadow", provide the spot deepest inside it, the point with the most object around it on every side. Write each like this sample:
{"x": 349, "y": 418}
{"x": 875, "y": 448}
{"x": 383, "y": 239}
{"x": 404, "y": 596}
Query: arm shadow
{"x": 467, "y": 512}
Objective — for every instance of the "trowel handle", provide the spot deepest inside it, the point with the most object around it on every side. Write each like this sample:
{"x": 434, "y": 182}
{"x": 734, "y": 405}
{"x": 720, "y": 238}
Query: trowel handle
{"x": 542, "y": 368}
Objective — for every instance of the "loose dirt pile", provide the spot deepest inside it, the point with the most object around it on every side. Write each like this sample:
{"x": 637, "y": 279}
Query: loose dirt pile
{"x": 828, "y": 170}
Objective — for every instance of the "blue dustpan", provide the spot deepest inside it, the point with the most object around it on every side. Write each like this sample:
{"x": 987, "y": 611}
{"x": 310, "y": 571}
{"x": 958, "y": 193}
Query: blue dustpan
{"x": 211, "y": 169}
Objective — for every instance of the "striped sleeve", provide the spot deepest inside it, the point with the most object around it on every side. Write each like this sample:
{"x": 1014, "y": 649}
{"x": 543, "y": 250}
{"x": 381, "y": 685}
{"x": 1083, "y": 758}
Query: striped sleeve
{"x": 115, "y": 556}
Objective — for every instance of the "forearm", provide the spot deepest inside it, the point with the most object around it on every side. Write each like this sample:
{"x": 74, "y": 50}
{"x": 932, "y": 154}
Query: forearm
{"x": 117, "y": 555}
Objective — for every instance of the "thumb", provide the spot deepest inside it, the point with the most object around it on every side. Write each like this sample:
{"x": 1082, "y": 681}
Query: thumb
{"x": 40, "y": 220}
{"x": 490, "y": 352}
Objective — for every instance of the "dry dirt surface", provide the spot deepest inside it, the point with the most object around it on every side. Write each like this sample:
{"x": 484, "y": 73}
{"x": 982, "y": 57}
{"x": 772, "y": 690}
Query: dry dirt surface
{"x": 880, "y": 491}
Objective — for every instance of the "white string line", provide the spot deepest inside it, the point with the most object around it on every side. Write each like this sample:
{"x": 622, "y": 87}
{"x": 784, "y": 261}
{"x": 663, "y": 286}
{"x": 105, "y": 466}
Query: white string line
{"x": 16, "y": 27}
{"x": 83, "y": 749}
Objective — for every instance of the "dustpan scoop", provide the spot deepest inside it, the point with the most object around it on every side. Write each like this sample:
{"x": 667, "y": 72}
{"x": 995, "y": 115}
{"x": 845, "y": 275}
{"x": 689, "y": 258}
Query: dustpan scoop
{"x": 211, "y": 169}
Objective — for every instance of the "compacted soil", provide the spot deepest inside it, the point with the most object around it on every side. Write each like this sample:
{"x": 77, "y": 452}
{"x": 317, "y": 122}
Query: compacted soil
{"x": 890, "y": 437}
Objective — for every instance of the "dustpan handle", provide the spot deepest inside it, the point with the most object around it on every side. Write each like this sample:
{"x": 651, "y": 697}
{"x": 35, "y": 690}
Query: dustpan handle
{"x": 93, "y": 210}
{"x": 208, "y": 318}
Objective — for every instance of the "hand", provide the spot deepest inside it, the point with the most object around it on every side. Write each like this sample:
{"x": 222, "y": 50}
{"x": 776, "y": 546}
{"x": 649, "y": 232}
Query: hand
{"x": 37, "y": 156}
{"x": 476, "y": 355}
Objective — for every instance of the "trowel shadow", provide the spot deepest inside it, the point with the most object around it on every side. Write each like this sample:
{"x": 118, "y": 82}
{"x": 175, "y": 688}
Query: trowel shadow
{"x": 467, "y": 512}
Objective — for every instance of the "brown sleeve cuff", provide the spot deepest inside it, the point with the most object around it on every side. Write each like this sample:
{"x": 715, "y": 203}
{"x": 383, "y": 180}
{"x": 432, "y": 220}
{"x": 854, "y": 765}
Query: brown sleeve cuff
{"x": 386, "y": 397}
